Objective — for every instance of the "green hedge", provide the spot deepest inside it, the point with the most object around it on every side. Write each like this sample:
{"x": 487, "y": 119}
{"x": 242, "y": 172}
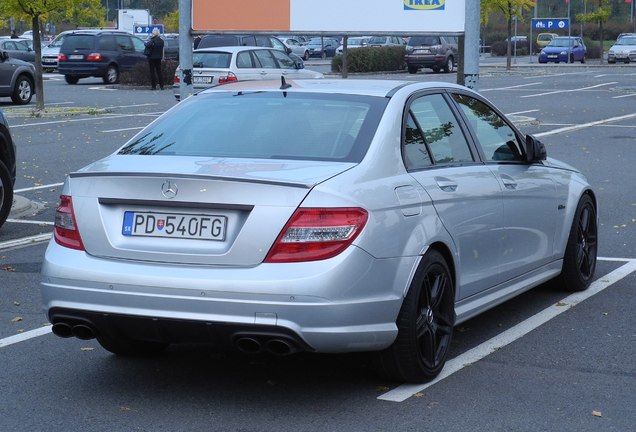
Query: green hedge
{"x": 371, "y": 59}
{"x": 140, "y": 74}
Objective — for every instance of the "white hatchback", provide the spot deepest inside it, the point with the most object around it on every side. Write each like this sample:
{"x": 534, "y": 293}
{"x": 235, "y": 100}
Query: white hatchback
{"x": 221, "y": 65}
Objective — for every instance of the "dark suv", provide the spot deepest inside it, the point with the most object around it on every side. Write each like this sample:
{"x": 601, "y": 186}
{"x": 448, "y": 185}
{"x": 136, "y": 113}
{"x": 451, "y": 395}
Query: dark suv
{"x": 7, "y": 169}
{"x": 434, "y": 52}
{"x": 99, "y": 53}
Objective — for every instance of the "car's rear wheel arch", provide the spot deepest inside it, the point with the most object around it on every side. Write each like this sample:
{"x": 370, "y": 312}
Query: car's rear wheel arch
{"x": 444, "y": 250}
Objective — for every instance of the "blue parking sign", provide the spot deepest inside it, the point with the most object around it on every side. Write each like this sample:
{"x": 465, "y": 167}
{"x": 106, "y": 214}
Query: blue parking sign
{"x": 147, "y": 29}
{"x": 550, "y": 24}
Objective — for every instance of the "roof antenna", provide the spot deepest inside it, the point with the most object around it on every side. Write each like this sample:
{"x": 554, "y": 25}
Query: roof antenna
{"x": 284, "y": 85}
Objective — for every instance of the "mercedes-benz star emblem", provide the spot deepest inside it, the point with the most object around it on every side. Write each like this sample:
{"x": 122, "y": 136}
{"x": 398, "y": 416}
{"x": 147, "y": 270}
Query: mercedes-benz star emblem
{"x": 169, "y": 189}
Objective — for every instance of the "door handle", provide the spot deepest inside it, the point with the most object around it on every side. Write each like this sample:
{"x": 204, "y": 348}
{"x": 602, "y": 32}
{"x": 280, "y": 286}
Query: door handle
{"x": 508, "y": 182}
{"x": 445, "y": 184}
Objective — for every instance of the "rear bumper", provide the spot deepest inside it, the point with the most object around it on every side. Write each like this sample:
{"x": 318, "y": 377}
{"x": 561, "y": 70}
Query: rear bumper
{"x": 82, "y": 69}
{"x": 345, "y": 304}
{"x": 427, "y": 61}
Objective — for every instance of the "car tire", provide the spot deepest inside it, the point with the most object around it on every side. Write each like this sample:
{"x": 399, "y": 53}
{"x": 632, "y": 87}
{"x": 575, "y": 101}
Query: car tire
{"x": 125, "y": 347}
{"x": 22, "y": 91}
{"x": 6, "y": 193}
{"x": 112, "y": 75}
{"x": 583, "y": 59}
{"x": 435, "y": 69}
{"x": 71, "y": 79}
{"x": 571, "y": 58}
{"x": 579, "y": 261}
{"x": 425, "y": 324}
{"x": 306, "y": 56}
{"x": 450, "y": 65}
{"x": 413, "y": 69}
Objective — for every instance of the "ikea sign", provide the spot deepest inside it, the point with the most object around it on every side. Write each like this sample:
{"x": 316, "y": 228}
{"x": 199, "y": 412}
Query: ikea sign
{"x": 375, "y": 17}
{"x": 424, "y": 4}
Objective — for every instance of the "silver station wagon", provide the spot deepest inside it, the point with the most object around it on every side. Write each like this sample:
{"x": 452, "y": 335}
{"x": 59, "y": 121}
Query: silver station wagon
{"x": 322, "y": 216}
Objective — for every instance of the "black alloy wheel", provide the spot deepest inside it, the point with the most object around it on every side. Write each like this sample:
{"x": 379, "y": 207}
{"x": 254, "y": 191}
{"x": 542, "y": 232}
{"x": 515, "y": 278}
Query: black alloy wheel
{"x": 425, "y": 324}
{"x": 579, "y": 261}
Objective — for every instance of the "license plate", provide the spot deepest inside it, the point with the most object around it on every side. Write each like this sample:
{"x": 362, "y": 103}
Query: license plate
{"x": 552, "y": 56}
{"x": 76, "y": 57}
{"x": 422, "y": 51}
{"x": 174, "y": 225}
{"x": 201, "y": 80}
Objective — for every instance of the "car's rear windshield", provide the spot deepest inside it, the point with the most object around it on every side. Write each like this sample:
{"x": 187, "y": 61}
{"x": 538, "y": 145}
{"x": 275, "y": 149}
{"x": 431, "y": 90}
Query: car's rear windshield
{"x": 265, "y": 125}
{"x": 74, "y": 42}
{"x": 211, "y": 59}
{"x": 626, "y": 41}
{"x": 558, "y": 42}
{"x": 424, "y": 40}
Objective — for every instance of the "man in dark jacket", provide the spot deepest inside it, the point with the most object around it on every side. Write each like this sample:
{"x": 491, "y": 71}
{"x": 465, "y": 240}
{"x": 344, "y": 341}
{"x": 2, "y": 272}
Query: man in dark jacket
{"x": 155, "y": 55}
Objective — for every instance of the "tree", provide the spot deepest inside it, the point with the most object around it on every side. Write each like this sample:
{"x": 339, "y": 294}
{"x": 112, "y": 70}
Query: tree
{"x": 511, "y": 10}
{"x": 38, "y": 11}
{"x": 602, "y": 13}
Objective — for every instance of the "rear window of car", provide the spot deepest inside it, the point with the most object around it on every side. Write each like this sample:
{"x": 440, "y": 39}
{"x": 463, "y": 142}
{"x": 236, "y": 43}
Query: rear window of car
{"x": 77, "y": 42}
{"x": 211, "y": 59}
{"x": 424, "y": 40}
{"x": 265, "y": 125}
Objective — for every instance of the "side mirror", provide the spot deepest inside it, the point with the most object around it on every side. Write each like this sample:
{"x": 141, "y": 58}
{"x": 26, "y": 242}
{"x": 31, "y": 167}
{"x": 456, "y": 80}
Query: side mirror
{"x": 288, "y": 49}
{"x": 299, "y": 64}
{"x": 535, "y": 150}
{"x": 4, "y": 55}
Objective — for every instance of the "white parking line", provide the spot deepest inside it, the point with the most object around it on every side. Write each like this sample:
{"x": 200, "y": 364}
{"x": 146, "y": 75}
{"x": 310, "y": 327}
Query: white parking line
{"x": 93, "y": 118}
{"x": 458, "y": 363}
{"x": 30, "y": 222}
{"x": 513, "y": 87}
{"x": 24, "y": 336}
{"x": 584, "y": 125}
{"x": 26, "y": 241}
{"x": 569, "y": 91}
{"x": 624, "y": 96}
{"x": 522, "y": 112}
{"x": 122, "y": 130}
{"x": 52, "y": 185}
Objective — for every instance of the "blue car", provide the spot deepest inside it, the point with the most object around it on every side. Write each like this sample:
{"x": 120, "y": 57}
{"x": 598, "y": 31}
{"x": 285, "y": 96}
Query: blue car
{"x": 564, "y": 49}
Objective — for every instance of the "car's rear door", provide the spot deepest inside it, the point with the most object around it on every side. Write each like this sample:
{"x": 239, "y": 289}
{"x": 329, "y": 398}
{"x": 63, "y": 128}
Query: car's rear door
{"x": 465, "y": 193}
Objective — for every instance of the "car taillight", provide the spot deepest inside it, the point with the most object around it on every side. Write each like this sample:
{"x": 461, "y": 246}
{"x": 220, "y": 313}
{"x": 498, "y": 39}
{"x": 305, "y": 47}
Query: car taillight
{"x": 228, "y": 79}
{"x": 66, "y": 232}
{"x": 176, "y": 80}
{"x": 94, "y": 57}
{"x": 317, "y": 233}
{"x": 61, "y": 57}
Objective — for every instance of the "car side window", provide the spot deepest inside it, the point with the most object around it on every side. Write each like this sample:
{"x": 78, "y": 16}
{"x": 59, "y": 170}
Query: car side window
{"x": 278, "y": 44}
{"x": 21, "y": 46}
{"x": 139, "y": 45}
{"x": 244, "y": 60}
{"x": 497, "y": 139}
{"x": 262, "y": 41}
{"x": 441, "y": 130}
{"x": 266, "y": 59}
{"x": 108, "y": 43}
{"x": 284, "y": 60}
{"x": 414, "y": 149}
{"x": 124, "y": 43}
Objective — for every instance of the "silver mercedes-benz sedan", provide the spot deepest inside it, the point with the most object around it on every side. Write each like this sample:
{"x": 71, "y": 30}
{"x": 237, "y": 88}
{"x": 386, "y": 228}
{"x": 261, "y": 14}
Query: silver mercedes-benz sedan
{"x": 315, "y": 215}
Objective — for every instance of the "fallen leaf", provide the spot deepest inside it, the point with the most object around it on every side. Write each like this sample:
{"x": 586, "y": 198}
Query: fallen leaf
{"x": 561, "y": 304}
{"x": 418, "y": 394}
{"x": 16, "y": 303}
{"x": 7, "y": 268}
{"x": 17, "y": 319}
{"x": 87, "y": 349}
{"x": 381, "y": 388}
{"x": 597, "y": 414}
